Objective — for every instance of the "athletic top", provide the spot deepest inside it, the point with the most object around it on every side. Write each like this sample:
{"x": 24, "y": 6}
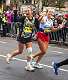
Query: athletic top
{"x": 27, "y": 26}
{"x": 46, "y": 25}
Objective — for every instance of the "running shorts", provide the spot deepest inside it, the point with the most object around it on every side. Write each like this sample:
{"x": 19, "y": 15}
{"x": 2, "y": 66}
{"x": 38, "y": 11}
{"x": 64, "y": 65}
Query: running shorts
{"x": 24, "y": 40}
{"x": 43, "y": 36}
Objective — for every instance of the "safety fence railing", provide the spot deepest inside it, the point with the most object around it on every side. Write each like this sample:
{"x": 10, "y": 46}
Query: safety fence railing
{"x": 59, "y": 36}
{"x": 9, "y": 29}
{"x": 12, "y": 29}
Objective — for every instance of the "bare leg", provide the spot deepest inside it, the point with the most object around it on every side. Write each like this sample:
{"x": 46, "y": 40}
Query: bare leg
{"x": 43, "y": 46}
{"x": 19, "y": 51}
{"x": 29, "y": 59}
{"x": 64, "y": 62}
{"x": 29, "y": 50}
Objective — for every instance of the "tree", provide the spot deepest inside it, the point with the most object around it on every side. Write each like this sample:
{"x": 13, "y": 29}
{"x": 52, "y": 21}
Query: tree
{"x": 0, "y": 1}
{"x": 54, "y": 3}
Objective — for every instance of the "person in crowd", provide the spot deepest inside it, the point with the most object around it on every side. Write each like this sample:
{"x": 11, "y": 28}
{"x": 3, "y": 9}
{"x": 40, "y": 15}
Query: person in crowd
{"x": 65, "y": 28}
{"x": 58, "y": 65}
{"x": 53, "y": 35}
{"x": 58, "y": 22}
{"x": 64, "y": 62}
{"x": 4, "y": 24}
{"x": 0, "y": 20}
{"x": 8, "y": 15}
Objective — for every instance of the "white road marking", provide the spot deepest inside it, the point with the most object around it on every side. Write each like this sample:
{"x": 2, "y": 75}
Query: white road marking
{"x": 57, "y": 52}
{"x": 40, "y": 64}
{"x": 3, "y": 42}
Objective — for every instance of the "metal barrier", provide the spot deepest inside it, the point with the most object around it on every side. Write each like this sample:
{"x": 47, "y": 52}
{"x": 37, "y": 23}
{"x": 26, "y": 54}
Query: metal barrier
{"x": 60, "y": 35}
{"x": 11, "y": 29}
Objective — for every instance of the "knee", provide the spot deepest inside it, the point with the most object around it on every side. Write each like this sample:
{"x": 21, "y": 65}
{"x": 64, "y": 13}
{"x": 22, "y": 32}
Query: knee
{"x": 29, "y": 51}
{"x": 20, "y": 52}
{"x": 43, "y": 52}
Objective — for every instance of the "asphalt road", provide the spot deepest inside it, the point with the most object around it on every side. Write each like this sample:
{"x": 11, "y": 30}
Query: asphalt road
{"x": 15, "y": 70}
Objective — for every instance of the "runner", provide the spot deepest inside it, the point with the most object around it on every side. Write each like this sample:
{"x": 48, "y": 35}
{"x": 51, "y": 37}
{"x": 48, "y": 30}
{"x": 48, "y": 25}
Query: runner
{"x": 46, "y": 26}
{"x": 57, "y": 65}
{"x": 64, "y": 62}
{"x": 25, "y": 38}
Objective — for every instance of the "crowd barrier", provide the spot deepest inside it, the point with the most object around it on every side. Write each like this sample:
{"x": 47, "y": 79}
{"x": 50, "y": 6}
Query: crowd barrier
{"x": 9, "y": 29}
{"x": 58, "y": 36}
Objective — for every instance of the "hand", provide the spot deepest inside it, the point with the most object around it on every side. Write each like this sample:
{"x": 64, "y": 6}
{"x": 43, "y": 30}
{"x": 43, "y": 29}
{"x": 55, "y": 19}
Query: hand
{"x": 60, "y": 26}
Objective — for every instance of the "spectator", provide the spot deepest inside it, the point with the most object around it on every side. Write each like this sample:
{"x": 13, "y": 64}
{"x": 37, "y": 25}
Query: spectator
{"x": 8, "y": 15}
{"x": 65, "y": 28}
{"x": 4, "y": 21}
{"x": 0, "y": 20}
{"x": 59, "y": 23}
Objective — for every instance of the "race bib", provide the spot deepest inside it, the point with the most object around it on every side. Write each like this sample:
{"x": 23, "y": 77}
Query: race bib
{"x": 47, "y": 30}
{"x": 27, "y": 30}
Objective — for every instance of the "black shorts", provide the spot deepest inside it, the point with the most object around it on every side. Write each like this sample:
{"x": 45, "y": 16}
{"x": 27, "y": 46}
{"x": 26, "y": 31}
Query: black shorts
{"x": 24, "y": 40}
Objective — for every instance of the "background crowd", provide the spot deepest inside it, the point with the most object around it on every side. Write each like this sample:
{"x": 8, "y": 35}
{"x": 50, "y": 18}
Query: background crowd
{"x": 10, "y": 24}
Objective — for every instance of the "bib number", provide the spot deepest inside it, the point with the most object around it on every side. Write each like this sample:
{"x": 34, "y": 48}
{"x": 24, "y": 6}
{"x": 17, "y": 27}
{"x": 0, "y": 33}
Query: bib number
{"x": 47, "y": 30}
{"x": 28, "y": 30}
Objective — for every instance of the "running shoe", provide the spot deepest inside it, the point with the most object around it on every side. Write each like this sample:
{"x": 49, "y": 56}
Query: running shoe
{"x": 55, "y": 68}
{"x": 29, "y": 68}
{"x": 37, "y": 65}
{"x": 8, "y": 58}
